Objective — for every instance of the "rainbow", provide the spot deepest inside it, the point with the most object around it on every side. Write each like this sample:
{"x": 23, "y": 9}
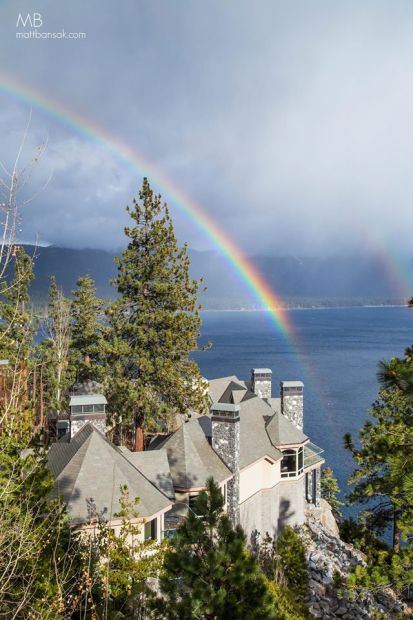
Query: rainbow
{"x": 246, "y": 271}
{"x": 242, "y": 266}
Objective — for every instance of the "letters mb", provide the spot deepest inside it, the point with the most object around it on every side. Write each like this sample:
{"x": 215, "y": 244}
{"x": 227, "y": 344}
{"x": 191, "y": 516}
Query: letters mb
{"x": 34, "y": 20}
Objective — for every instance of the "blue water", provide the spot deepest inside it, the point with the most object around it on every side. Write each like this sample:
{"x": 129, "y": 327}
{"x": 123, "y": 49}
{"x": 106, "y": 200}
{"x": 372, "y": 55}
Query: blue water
{"x": 338, "y": 354}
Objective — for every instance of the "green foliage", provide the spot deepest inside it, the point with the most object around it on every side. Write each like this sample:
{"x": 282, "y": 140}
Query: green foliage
{"x": 389, "y": 569}
{"x": 208, "y": 572}
{"x": 383, "y": 480}
{"x": 40, "y": 569}
{"x": 283, "y": 562}
{"x": 87, "y": 332}
{"x": 126, "y": 563}
{"x": 154, "y": 323}
{"x": 286, "y": 605}
{"x": 362, "y": 537}
{"x": 330, "y": 491}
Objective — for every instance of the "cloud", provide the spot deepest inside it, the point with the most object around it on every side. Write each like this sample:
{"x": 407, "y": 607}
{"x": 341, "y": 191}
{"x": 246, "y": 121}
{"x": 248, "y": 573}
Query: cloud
{"x": 290, "y": 123}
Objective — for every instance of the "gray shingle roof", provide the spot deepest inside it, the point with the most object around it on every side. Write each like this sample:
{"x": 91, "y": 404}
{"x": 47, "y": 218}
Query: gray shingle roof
{"x": 217, "y": 387}
{"x": 155, "y": 466}
{"x": 88, "y": 399}
{"x": 91, "y": 467}
{"x": 282, "y": 431}
{"x": 191, "y": 458}
{"x": 254, "y": 441}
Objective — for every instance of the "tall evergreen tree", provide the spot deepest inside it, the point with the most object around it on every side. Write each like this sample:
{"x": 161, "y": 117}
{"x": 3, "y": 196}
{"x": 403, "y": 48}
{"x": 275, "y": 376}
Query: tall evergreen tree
{"x": 87, "y": 331}
{"x": 208, "y": 572}
{"x": 154, "y": 323}
{"x": 383, "y": 480}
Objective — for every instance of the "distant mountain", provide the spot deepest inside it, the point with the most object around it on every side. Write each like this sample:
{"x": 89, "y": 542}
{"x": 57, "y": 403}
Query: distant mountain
{"x": 298, "y": 281}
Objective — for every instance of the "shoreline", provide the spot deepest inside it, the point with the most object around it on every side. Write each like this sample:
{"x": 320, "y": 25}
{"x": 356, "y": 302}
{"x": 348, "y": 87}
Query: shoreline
{"x": 292, "y": 308}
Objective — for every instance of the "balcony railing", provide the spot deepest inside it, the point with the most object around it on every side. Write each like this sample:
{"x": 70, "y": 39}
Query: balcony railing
{"x": 312, "y": 454}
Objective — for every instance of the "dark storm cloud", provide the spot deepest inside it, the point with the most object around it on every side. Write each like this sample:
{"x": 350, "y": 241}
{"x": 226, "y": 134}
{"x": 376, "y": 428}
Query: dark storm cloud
{"x": 290, "y": 122}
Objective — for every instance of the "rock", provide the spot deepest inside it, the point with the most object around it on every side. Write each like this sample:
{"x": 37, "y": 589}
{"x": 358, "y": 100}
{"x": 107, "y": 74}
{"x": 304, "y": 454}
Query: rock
{"x": 326, "y": 555}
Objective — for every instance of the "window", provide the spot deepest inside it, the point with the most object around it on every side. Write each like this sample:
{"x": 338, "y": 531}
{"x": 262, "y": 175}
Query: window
{"x": 151, "y": 530}
{"x": 292, "y": 463}
{"x": 192, "y": 503}
{"x": 224, "y": 492}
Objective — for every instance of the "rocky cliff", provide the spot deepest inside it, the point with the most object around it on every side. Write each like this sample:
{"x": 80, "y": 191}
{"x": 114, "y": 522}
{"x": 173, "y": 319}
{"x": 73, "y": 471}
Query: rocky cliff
{"x": 329, "y": 559}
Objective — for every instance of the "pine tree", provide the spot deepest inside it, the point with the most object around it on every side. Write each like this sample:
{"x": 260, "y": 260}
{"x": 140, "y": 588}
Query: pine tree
{"x": 208, "y": 572}
{"x": 87, "y": 332}
{"x": 154, "y": 323}
{"x": 330, "y": 491}
{"x": 383, "y": 479}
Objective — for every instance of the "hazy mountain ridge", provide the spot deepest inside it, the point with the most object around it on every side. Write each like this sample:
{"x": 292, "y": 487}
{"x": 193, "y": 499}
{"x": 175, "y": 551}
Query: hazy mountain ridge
{"x": 299, "y": 282}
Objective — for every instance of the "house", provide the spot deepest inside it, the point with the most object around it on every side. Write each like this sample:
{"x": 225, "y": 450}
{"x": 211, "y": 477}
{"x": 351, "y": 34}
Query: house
{"x": 252, "y": 444}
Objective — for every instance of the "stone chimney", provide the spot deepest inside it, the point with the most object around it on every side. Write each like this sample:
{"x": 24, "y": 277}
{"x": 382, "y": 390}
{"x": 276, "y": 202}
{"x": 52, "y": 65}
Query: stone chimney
{"x": 226, "y": 443}
{"x": 261, "y": 382}
{"x": 292, "y": 402}
{"x": 86, "y": 408}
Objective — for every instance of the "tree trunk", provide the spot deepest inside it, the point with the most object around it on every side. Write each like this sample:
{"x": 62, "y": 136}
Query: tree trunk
{"x": 396, "y": 530}
{"x": 139, "y": 445}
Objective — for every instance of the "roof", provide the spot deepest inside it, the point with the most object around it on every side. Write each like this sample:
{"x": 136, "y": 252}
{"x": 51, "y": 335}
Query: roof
{"x": 282, "y": 431}
{"x": 88, "y": 399}
{"x": 154, "y": 465}
{"x": 262, "y": 371}
{"x": 89, "y": 472}
{"x": 217, "y": 387}
{"x": 191, "y": 457}
{"x": 255, "y": 443}
{"x": 291, "y": 384}
{"x": 275, "y": 404}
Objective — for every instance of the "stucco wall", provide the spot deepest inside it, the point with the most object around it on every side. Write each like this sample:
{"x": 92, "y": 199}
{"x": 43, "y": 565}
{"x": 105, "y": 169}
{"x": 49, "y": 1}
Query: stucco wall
{"x": 271, "y": 510}
{"x": 258, "y": 476}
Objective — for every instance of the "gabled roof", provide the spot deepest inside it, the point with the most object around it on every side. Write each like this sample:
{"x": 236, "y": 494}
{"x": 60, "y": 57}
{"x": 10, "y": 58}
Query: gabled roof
{"x": 89, "y": 472}
{"x": 282, "y": 431}
{"x": 191, "y": 457}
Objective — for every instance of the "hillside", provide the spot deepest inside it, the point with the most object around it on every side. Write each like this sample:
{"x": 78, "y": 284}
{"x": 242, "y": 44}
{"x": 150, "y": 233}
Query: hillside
{"x": 298, "y": 281}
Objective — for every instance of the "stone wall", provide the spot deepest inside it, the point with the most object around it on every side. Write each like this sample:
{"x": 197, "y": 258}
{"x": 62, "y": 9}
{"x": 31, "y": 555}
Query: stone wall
{"x": 226, "y": 443}
{"x": 261, "y": 382}
{"x": 77, "y": 423}
{"x": 292, "y": 402}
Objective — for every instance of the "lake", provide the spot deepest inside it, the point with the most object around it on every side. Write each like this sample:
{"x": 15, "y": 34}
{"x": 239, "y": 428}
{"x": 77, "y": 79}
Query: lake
{"x": 335, "y": 353}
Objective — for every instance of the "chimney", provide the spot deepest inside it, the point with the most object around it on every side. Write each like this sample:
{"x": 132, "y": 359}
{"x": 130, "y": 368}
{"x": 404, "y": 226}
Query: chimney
{"x": 261, "y": 382}
{"x": 292, "y": 402}
{"x": 226, "y": 443}
{"x": 86, "y": 408}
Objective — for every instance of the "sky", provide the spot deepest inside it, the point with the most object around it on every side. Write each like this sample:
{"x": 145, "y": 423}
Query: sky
{"x": 290, "y": 123}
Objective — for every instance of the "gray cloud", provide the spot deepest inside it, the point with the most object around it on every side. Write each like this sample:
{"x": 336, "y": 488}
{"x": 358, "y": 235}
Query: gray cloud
{"x": 291, "y": 123}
